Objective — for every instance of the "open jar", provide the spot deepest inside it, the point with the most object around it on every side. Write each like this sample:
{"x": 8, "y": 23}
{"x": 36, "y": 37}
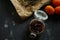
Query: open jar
{"x": 37, "y": 25}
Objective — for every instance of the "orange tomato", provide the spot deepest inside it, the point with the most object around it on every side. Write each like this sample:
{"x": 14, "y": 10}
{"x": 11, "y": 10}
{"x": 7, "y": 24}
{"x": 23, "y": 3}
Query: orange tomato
{"x": 50, "y": 10}
{"x": 56, "y": 2}
{"x": 57, "y": 10}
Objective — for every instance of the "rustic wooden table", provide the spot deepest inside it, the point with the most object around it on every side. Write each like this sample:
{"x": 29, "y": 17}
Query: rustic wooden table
{"x": 12, "y": 28}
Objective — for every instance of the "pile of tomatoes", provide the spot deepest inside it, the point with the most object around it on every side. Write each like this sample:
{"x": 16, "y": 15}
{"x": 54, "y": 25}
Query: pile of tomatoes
{"x": 55, "y": 9}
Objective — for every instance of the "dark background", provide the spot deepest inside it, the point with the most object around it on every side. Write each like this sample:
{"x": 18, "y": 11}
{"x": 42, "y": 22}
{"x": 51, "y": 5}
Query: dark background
{"x": 17, "y": 29}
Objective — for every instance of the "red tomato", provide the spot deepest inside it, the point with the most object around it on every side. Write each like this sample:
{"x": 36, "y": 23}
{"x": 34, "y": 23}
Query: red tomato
{"x": 57, "y": 10}
{"x": 56, "y": 2}
{"x": 50, "y": 10}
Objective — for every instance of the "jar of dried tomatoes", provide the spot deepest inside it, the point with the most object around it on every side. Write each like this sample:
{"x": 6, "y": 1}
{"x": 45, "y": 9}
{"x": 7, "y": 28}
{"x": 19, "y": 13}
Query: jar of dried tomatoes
{"x": 37, "y": 25}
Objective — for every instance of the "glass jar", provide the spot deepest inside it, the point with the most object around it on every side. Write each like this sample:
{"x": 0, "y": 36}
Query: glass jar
{"x": 37, "y": 25}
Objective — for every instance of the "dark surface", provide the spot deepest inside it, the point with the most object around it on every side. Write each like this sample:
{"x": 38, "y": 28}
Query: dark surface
{"x": 17, "y": 29}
